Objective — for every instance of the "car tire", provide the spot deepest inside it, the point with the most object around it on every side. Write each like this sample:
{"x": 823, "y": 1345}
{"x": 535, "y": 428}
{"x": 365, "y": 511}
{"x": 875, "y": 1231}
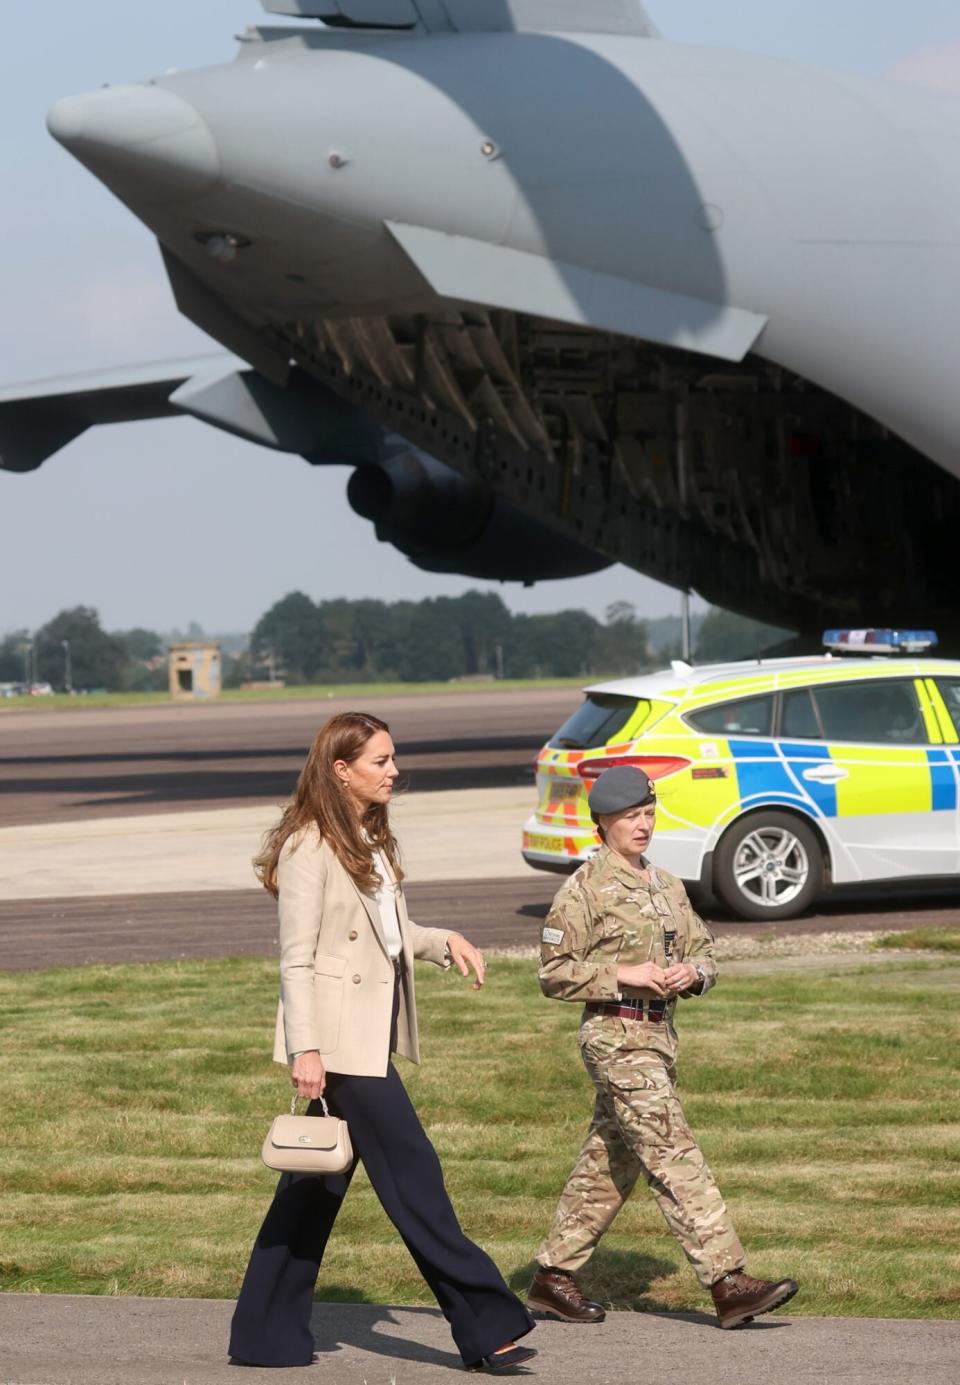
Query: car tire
{"x": 768, "y": 866}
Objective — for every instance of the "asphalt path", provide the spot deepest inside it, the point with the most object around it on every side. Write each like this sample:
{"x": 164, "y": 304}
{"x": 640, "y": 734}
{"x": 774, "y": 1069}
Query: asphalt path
{"x": 66, "y": 766}
{"x": 60, "y": 1339}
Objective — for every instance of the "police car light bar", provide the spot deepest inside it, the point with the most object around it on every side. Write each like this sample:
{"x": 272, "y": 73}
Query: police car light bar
{"x": 880, "y": 641}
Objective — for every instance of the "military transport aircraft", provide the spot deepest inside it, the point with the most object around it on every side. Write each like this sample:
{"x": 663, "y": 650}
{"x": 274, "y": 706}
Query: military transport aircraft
{"x": 562, "y": 292}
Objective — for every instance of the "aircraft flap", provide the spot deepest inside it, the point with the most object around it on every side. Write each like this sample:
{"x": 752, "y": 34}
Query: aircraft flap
{"x": 29, "y": 434}
{"x": 496, "y": 276}
{"x": 476, "y": 16}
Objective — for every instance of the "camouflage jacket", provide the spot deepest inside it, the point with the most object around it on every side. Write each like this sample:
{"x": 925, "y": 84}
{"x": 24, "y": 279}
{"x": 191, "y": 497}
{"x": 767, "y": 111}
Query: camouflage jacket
{"x": 606, "y": 914}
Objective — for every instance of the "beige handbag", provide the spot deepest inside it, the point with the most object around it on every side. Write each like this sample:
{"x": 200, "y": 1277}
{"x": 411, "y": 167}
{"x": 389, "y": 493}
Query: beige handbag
{"x": 308, "y": 1144}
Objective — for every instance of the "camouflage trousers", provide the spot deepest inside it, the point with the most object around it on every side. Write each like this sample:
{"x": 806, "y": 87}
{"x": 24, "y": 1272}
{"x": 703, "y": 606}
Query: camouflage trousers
{"x": 638, "y": 1128}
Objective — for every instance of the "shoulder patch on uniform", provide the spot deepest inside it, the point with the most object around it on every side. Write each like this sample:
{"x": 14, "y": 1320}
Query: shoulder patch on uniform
{"x": 552, "y": 935}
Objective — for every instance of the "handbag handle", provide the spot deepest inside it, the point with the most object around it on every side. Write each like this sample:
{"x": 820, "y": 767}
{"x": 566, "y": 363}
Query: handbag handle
{"x": 293, "y": 1104}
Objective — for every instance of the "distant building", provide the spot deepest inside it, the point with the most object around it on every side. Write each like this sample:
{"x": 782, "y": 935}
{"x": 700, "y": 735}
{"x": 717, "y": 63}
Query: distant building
{"x": 195, "y": 671}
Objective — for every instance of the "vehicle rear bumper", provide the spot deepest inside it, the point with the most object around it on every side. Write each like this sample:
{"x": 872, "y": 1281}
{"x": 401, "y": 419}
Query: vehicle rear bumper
{"x": 556, "y": 849}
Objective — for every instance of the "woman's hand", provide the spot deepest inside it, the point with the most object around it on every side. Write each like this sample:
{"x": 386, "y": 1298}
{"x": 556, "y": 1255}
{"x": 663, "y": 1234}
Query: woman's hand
{"x": 642, "y": 976}
{"x": 464, "y": 955}
{"x": 308, "y": 1074}
{"x": 680, "y": 976}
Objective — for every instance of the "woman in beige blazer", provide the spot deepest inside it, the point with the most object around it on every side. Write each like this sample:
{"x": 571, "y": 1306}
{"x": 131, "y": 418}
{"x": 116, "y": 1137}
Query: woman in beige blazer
{"x": 346, "y": 1004}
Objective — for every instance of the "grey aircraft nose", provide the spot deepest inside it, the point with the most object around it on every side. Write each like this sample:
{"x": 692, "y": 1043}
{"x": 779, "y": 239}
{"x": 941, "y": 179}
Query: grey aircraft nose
{"x": 146, "y": 140}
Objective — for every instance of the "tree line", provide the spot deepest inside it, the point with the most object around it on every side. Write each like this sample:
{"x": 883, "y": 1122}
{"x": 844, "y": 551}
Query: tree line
{"x": 476, "y": 636}
{"x": 439, "y": 638}
{"x": 302, "y": 641}
{"x": 73, "y": 650}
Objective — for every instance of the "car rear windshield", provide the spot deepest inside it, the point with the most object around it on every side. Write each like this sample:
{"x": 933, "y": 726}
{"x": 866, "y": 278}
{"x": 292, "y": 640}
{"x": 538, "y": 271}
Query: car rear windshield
{"x": 596, "y": 721}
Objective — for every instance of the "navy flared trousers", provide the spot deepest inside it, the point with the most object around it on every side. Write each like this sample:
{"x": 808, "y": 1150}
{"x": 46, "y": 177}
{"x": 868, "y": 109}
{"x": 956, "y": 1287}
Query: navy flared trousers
{"x": 271, "y": 1323}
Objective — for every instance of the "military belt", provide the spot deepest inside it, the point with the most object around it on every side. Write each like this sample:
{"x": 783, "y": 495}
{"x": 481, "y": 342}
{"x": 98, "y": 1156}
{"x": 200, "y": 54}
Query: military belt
{"x": 653, "y": 1010}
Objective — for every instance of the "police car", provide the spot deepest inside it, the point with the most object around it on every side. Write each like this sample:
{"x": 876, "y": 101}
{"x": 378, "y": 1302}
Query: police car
{"x": 774, "y": 778}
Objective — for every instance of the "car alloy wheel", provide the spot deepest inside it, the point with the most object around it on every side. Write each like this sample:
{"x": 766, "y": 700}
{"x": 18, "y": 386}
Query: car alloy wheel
{"x": 768, "y": 866}
{"x": 771, "y": 866}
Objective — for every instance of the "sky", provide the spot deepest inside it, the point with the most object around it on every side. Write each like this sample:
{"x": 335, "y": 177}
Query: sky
{"x": 164, "y": 522}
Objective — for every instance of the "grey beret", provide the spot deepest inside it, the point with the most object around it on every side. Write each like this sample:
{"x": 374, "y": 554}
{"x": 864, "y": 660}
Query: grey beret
{"x": 624, "y": 786}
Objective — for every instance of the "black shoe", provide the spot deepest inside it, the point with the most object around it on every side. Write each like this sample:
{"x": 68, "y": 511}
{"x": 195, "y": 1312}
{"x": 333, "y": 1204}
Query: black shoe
{"x": 504, "y": 1360}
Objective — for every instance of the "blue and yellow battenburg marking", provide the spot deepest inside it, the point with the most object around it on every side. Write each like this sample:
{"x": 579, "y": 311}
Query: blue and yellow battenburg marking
{"x": 943, "y": 779}
{"x": 722, "y": 777}
{"x": 763, "y": 776}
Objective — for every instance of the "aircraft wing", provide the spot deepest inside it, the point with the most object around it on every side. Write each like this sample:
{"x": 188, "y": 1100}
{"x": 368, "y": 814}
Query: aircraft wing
{"x": 475, "y": 16}
{"x": 39, "y": 417}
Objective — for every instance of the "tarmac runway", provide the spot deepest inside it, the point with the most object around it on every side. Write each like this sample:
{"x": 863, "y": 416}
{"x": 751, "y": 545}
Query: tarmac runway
{"x": 126, "y": 835}
{"x": 63, "y": 766}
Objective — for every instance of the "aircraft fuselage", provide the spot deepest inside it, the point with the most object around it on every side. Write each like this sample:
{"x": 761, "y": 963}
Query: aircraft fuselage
{"x": 693, "y": 308}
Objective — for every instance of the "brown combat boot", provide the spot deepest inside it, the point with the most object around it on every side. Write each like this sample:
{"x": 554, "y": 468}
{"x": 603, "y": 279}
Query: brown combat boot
{"x": 557, "y": 1294}
{"x": 739, "y": 1298}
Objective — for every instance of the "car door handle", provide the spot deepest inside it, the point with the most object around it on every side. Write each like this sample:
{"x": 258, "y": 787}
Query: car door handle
{"x": 825, "y": 774}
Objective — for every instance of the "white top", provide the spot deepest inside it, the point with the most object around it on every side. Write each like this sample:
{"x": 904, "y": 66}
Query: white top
{"x": 670, "y": 683}
{"x": 386, "y": 897}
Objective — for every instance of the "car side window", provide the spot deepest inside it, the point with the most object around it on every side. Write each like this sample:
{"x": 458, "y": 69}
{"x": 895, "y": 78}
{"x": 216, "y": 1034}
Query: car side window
{"x": 886, "y": 713}
{"x": 751, "y": 716}
{"x": 950, "y": 692}
{"x": 798, "y": 716}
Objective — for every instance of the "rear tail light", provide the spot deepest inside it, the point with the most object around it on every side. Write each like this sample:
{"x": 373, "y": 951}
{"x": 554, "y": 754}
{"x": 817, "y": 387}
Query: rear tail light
{"x": 654, "y": 766}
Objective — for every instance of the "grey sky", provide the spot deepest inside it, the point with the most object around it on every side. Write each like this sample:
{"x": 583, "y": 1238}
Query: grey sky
{"x": 160, "y": 523}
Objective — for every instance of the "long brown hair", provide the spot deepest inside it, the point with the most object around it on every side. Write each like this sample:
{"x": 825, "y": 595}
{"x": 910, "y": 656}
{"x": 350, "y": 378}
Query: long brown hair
{"x": 320, "y": 798}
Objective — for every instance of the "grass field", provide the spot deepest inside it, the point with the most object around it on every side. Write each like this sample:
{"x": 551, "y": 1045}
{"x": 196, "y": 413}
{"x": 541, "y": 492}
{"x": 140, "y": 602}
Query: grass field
{"x": 135, "y": 1100}
{"x": 922, "y": 940}
{"x": 59, "y": 702}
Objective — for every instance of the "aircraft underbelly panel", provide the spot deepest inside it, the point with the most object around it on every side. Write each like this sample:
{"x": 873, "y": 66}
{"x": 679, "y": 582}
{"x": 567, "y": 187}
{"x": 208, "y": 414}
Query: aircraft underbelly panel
{"x": 463, "y": 269}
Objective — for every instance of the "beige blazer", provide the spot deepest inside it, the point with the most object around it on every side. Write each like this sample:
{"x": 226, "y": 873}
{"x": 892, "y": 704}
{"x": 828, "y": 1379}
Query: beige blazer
{"x": 336, "y": 976}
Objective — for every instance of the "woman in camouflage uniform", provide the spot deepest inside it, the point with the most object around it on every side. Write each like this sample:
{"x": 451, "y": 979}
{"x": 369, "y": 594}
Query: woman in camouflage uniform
{"x": 623, "y": 938}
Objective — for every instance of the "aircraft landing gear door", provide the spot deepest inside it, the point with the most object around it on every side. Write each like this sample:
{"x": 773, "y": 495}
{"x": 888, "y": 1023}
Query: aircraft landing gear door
{"x": 895, "y": 815}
